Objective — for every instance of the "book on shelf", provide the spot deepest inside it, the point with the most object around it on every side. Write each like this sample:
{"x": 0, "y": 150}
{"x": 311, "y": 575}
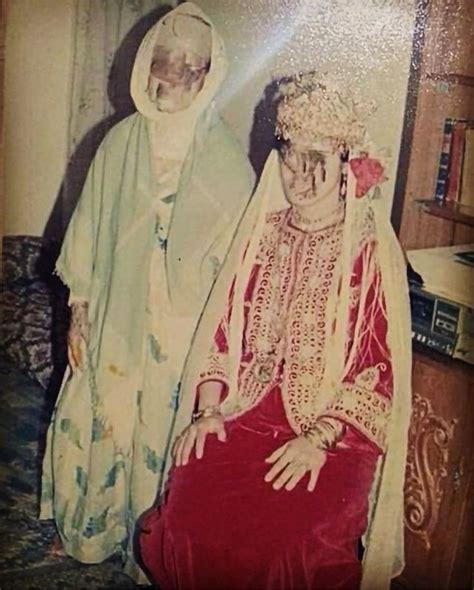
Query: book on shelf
{"x": 456, "y": 161}
{"x": 442, "y": 177}
{"x": 466, "y": 196}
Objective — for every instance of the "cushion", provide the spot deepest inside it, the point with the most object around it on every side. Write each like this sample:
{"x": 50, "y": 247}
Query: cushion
{"x": 33, "y": 307}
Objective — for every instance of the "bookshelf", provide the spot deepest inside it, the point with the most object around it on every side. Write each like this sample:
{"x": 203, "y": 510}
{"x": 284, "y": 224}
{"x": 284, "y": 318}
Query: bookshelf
{"x": 461, "y": 79}
{"x": 443, "y": 87}
{"x": 452, "y": 211}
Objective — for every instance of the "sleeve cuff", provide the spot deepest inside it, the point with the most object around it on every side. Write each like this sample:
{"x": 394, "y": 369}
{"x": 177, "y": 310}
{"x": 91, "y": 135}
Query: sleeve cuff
{"x": 364, "y": 409}
{"x": 216, "y": 369}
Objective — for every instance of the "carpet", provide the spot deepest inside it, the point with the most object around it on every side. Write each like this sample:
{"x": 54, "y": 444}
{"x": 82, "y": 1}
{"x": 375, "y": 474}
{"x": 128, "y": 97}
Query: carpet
{"x": 26, "y": 559}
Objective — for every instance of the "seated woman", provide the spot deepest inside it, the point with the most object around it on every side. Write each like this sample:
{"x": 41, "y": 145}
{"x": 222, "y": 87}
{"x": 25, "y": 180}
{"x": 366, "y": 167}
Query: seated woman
{"x": 297, "y": 397}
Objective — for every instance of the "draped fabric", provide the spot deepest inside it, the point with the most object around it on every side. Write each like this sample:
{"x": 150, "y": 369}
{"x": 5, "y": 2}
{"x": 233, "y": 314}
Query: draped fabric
{"x": 222, "y": 527}
{"x": 296, "y": 274}
{"x": 109, "y": 435}
{"x": 279, "y": 539}
{"x": 106, "y": 36}
{"x": 383, "y": 276}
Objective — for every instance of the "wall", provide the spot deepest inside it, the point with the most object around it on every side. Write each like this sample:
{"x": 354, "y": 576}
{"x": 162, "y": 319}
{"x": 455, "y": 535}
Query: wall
{"x": 37, "y": 76}
{"x": 367, "y": 43}
{"x": 446, "y": 90}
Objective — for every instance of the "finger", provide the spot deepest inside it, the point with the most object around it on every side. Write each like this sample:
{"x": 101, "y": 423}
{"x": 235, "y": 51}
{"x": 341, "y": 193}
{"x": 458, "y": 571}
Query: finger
{"x": 313, "y": 478}
{"x": 188, "y": 445}
{"x": 72, "y": 356}
{"x": 200, "y": 442}
{"x": 79, "y": 357}
{"x": 222, "y": 434}
{"x": 85, "y": 332}
{"x": 285, "y": 476}
{"x": 179, "y": 448}
{"x": 295, "y": 478}
{"x": 174, "y": 448}
{"x": 276, "y": 454}
{"x": 277, "y": 468}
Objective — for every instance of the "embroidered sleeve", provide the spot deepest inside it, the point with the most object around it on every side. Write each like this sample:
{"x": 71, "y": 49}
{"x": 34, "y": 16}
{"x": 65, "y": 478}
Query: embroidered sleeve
{"x": 363, "y": 400}
{"x": 215, "y": 366}
{"x": 360, "y": 405}
{"x": 75, "y": 264}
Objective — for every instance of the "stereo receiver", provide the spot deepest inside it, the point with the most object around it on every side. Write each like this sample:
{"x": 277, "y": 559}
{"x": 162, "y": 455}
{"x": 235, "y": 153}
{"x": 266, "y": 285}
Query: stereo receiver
{"x": 442, "y": 308}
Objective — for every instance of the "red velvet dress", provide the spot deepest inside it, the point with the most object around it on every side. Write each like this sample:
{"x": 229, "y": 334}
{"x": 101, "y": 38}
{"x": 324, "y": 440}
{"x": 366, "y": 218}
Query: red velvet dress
{"x": 220, "y": 526}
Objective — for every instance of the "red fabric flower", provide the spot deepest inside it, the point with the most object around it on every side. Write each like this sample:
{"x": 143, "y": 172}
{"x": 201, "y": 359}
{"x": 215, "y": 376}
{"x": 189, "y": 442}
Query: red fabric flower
{"x": 368, "y": 173}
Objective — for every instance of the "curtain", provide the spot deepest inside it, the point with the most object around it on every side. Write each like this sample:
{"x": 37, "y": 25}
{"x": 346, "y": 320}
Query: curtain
{"x": 107, "y": 34}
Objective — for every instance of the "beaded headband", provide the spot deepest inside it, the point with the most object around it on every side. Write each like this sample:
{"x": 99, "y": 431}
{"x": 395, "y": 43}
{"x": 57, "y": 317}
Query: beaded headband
{"x": 313, "y": 107}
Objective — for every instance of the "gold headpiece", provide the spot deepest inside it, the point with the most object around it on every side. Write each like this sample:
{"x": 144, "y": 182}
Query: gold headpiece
{"x": 314, "y": 107}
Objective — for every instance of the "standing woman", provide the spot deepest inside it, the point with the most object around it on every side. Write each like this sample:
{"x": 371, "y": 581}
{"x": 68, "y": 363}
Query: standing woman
{"x": 294, "y": 412}
{"x": 159, "y": 208}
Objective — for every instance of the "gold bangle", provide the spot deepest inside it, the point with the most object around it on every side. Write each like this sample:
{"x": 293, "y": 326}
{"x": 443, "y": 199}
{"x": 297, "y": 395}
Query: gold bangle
{"x": 208, "y": 412}
{"x": 326, "y": 433}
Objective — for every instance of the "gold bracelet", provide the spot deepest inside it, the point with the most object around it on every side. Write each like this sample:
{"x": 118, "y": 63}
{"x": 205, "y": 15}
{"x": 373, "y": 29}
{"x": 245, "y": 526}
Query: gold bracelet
{"x": 208, "y": 412}
{"x": 326, "y": 433}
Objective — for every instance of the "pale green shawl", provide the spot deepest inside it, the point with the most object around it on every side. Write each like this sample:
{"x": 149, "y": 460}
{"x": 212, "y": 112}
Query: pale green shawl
{"x": 105, "y": 257}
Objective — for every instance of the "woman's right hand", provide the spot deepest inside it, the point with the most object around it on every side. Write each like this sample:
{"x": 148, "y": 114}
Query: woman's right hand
{"x": 78, "y": 335}
{"x": 195, "y": 435}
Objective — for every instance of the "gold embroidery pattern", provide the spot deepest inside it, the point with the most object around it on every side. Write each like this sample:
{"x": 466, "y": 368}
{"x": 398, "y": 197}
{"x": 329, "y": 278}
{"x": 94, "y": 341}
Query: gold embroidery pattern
{"x": 287, "y": 319}
{"x": 298, "y": 274}
{"x": 216, "y": 368}
{"x": 308, "y": 327}
{"x": 276, "y": 253}
{"x": 361, "y": 406}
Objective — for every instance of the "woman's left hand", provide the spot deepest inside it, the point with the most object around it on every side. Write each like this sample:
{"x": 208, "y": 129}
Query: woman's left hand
{"x": 292, "y": 461}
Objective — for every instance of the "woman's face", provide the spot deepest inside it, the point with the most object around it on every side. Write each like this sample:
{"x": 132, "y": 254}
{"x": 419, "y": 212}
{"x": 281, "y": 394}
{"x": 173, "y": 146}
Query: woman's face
{"x": 176, "y": 77}
{"x": 309, "y": 175}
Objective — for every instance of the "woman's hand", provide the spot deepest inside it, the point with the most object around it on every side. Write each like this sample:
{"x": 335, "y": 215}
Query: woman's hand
{"x": 292, "y": 461}
{"x": 78, "y": 335}
{"x": 195, "y": 436}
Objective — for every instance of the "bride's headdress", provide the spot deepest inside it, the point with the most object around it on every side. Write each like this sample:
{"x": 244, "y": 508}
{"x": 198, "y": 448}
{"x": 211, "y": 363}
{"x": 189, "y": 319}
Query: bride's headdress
{"x": 312, "y": 107}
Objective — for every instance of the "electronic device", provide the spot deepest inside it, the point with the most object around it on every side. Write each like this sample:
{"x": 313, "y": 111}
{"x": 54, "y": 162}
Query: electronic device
{"x": 443, "y": 307}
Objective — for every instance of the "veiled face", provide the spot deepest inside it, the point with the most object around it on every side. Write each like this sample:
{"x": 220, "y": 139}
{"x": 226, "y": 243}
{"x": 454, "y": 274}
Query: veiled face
{"x": 176, "y": 77}
{"x": 310, "y": 174}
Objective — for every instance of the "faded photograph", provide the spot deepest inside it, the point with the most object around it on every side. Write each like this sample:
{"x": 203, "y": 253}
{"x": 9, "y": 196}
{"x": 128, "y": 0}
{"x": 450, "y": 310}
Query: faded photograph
{"x": 222, "y": 325}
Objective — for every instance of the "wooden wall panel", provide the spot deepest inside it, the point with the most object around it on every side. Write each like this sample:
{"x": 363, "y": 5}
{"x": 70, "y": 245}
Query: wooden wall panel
{"x": 438, "y": 489}
{"x": 451, "y": 46}
{"x": 448, "y": 49}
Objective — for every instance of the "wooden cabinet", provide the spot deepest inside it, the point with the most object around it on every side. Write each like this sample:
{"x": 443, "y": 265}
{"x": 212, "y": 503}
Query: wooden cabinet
{"x": 439, "y": 494}
{"x": 439, "y": 526}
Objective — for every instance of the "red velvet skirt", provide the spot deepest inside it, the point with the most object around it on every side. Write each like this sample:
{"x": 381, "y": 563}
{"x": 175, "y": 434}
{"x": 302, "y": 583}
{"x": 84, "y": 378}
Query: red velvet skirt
{"x": 220, "y": 526}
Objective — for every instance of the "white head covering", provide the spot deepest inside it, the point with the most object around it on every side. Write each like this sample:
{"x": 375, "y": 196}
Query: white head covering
{"x": 172, "y": 133}
{"x": 187, "y": 31}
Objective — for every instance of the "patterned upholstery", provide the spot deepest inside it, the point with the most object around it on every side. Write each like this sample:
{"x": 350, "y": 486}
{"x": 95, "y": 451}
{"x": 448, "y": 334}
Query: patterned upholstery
{"x": 33, "y": 308}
